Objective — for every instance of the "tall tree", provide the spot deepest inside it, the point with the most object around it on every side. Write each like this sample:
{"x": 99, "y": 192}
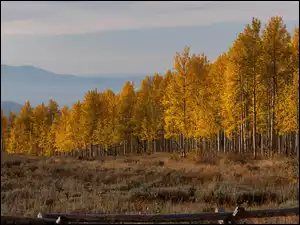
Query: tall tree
{"x": 203, "y": 115}
{"x": 4, "y": 130}
{"x": 40, "y": 128}
{"x": 74, "y": 126}
{"x": 22, "y": 140}
{"x": 53, "y": 118}
{"x": 175, "y": 100}
{"x": 234, "y": 99}
{"x": 89, "y": 118}
{"x": 275, "y": 55}
{"x": 295, "y": 63}
{"x": 252, "y": 68}
{"x": 107, "y": 134}
{"x": 140, "y": 110}
{"x": 53, "y": 111}
{"x": 11, "y": 124}
{"x": 63, "y": 141}
{"x": 127, "y": 99}
{"x": 148, "y": 113}
{"x": 216, "y": 90}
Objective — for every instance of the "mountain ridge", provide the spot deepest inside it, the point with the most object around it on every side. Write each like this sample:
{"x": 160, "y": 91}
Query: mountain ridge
{"x": 21, "y": 83}
{"x": 112, "y": 75}
{"x": 7, "y": 106}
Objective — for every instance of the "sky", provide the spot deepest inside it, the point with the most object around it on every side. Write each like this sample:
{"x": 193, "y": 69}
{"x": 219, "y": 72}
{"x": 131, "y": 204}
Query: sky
{"x": 141, "y": 37}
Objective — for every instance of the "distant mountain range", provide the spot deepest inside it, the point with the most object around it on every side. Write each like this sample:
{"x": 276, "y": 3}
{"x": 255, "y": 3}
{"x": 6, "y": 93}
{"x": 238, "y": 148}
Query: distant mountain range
{"x": 21, "y": 83}
{"x": 7, "y": 106}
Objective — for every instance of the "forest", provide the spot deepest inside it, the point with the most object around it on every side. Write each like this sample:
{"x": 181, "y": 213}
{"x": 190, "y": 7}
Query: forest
{"x": 245, "y": 102}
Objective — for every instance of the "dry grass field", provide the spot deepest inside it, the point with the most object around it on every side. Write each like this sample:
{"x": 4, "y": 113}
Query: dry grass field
{"x": 159, "y": 183}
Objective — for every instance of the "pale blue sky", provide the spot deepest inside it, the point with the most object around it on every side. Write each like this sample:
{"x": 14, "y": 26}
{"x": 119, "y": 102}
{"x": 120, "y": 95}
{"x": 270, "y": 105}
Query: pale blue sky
{"x": 86, "y": 38}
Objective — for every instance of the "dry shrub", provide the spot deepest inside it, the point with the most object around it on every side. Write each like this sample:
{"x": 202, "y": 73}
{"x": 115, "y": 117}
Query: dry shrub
{"x": 173, "y": 194}
{"x": 287, "y": 192}
{"x": 193, "y": 155}
{"x": 161, "y": 163}
{"x": 253, "y": 168}
{"x": 133, "y": 183}
{"x": 14, "y": 173}
{"x": 129, "y": 160}
{"x": 154, "y": 163}
{"x": 293, "y": 164}
{"x": 209, "y": 176}
{"x": 238, "y": 158}
{"x": 221, "y": 197}
{"x": 227, "y": 193}
{"x": 200, "y": 157}
{"x": 115, "y": 177}
{"x": 12, "y": 163}
{"x": 289, "y": 204}
{"x": 86, "y": 158}
{"x": 16, "y": 194}
{"x": 176, "y": 157}
{"x": 208, "y": 160}
{"x": 173, "y": 178}
{"x": 257, "y": 197}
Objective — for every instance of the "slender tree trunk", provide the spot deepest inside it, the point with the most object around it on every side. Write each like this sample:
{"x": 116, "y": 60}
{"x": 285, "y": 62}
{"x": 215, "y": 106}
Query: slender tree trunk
{"x": 297, "y": 132}
{"x": 124, "y": 148}
{"x": 297, "y": 143}
{"x": 166, "y": 145}
{"x": 293, "y": 135}
{"x": 131, "y": 144}
{"x": 261, "y": 144}
{"x": 207, "y": 144}
{"x": 290, "y": 143}
{"x": 254, "y": 115}
{"x": 233, "y": 143}
{"x": 241, "y": 131}
{"x": 246, "y": 133}
{"x": 268, "y": 140}
{"x": 149, "y": 150}
{"x": 183, "y": 144}
{"x": 279, "y": 144}
{"x": 218, "y": 142}
{"x": 285, "y": 144}
{"x": 224, "y": 142}
{"x": 273, "y": 99}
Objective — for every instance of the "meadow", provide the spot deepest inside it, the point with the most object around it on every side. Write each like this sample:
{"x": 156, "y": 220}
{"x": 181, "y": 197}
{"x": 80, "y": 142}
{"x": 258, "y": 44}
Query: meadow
{"x": 157, "y": 183}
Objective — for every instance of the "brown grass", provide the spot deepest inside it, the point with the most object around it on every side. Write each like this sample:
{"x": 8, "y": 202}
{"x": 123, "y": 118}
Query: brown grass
{"x": 159, "y": 183}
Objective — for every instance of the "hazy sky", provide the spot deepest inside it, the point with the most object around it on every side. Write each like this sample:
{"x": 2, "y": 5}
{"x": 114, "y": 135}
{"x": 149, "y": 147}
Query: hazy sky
{"x": 124, "y": 37}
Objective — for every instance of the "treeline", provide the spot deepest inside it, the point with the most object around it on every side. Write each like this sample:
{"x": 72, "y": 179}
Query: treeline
{"x": 247, "y": 101}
